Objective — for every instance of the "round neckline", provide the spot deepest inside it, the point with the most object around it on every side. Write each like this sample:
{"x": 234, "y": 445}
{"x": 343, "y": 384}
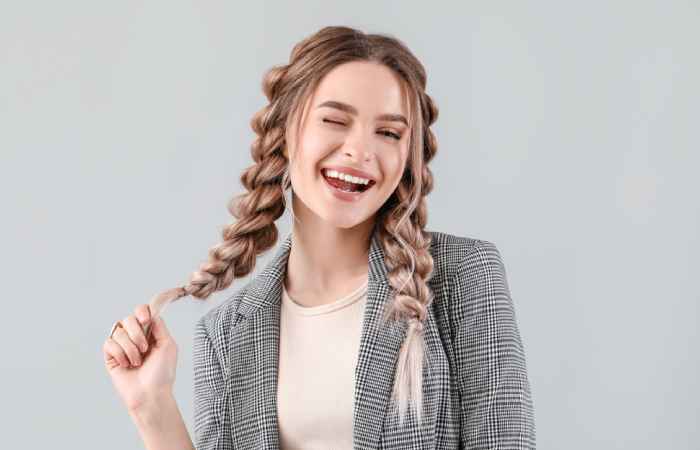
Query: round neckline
{"x": 326, "y": 308}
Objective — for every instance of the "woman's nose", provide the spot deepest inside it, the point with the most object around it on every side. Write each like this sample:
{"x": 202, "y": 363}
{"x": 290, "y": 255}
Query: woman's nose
{"x": 359, "y": 147}
{"x": 359, "y": 155}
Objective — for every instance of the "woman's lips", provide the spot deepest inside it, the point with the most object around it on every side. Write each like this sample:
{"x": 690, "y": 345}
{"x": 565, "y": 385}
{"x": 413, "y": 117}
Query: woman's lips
{"x": 345, "y": 185}
{"x": 348, "y": 196}
{"x": 342, "y": 183}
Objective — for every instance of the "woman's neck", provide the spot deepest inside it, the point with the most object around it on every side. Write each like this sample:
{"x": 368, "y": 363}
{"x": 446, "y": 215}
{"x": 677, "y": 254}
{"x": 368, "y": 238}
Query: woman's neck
{"x": 326, "y": 263}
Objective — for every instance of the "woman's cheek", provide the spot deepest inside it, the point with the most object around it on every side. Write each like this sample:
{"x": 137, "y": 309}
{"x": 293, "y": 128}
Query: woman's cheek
{"x": 323, "y": 137}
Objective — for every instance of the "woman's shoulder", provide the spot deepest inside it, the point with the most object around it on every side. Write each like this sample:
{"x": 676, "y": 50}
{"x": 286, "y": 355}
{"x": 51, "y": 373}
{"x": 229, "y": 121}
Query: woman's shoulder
{"x": 449, "y": 251}
{"x": 212, "y": 331}
{"x": 222, "y": 316}
{"x": 469, "y": 278}
{"x": 443, "y": 242}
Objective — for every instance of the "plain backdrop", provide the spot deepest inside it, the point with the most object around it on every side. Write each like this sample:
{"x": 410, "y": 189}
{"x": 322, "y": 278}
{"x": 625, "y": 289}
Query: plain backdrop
{"x": 568, "y": 136}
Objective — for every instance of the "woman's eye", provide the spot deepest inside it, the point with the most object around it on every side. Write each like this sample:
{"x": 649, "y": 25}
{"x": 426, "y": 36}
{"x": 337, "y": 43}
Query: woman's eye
{"x": 384, "y": 132}
{"x": 392, "y": 134}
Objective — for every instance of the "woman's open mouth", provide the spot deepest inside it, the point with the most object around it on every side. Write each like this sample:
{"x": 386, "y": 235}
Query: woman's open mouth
{"x": 344, "y": 189}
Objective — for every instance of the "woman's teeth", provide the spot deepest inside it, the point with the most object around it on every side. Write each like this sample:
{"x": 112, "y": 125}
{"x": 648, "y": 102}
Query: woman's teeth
{"x": 348, "y": 178}
{"x": 345, "y": 182}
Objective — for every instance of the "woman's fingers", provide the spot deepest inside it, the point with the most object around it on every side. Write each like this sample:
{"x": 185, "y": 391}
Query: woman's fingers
{"x": 143, "y": 314}
{"x": 127, "y": 342}
{"x": 114, "y": 354}
{"x": 132, "y": 352}
{"x": 135, "y": 331}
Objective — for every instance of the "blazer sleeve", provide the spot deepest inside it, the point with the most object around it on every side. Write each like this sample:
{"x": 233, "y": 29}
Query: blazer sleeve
{"x": 211, "y": 413}
{"x": 496, "y": 403}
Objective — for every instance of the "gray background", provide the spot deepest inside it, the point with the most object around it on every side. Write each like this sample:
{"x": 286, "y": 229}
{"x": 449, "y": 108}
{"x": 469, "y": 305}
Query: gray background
{"x": 568, "y": 136}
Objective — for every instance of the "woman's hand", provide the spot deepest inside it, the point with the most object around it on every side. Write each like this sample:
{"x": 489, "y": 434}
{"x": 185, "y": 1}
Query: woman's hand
{"x": 142, "y": 370}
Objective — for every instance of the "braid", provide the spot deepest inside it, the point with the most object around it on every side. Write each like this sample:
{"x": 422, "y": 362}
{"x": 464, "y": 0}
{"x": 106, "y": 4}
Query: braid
{"x": 256, "y": 210}
{"x": 409, "y": 266}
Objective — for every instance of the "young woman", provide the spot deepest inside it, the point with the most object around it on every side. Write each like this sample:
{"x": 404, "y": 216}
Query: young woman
{"x": 365, "y": 330}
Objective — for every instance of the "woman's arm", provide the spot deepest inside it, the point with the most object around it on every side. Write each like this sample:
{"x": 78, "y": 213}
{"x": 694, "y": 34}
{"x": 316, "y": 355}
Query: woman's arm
{"x": 159, "y": 421}
{"x": 161, "y": 426}
{"x": 496, "y": 403}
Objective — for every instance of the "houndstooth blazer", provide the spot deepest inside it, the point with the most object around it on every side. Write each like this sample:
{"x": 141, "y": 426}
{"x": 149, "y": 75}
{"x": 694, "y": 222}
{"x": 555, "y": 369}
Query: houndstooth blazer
{"x": 475, "y": 384}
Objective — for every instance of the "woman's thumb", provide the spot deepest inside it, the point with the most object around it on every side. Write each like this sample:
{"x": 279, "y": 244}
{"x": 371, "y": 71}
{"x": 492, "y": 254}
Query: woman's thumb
{"x": 159, "y": 331}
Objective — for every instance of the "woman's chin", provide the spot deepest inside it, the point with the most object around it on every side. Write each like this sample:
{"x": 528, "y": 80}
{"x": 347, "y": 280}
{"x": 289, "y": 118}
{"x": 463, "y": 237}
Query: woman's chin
{"x": 336, "y": 215}
{"x": 345, "y": 221}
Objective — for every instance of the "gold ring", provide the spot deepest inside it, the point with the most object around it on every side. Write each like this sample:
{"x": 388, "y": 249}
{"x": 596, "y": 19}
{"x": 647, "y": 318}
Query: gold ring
{"x": 116, "y": 325}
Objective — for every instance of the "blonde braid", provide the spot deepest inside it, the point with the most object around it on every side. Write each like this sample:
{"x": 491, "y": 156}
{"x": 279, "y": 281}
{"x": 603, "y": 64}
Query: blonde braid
{"x": 256, "y": 210}
{"x": 410, "y": 265}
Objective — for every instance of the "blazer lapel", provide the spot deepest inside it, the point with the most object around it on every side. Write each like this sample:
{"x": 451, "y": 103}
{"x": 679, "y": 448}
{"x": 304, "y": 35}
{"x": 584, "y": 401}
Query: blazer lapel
{"x": 254, "y": 380}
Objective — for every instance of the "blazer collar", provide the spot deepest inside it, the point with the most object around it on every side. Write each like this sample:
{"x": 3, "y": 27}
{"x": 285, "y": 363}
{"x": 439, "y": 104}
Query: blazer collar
{"x": 374, "y": 372}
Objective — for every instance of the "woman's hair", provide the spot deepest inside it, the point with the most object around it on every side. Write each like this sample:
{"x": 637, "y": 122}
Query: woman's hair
{"x": 401, "y": 220}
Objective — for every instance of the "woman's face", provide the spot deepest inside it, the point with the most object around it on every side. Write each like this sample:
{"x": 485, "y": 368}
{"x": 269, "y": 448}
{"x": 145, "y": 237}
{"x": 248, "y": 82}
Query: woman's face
{"x": 354, "y": 120}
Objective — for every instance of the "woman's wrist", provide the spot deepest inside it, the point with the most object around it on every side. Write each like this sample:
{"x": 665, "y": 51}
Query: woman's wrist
{"x": 152, "y": 409}
{"x": 160, "y": 424}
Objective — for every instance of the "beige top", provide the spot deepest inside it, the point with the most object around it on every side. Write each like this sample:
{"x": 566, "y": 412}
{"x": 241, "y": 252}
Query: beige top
{"x": 318, "y": 351}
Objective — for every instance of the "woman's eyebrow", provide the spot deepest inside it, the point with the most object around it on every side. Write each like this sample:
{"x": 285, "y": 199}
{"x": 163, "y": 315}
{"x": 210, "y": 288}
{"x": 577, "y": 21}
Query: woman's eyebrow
{"x": 352, "y": 110}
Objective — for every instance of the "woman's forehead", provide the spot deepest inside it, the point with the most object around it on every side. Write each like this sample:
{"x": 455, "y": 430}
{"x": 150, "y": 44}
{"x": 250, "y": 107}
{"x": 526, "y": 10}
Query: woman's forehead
{"x": 368, "y": 87}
